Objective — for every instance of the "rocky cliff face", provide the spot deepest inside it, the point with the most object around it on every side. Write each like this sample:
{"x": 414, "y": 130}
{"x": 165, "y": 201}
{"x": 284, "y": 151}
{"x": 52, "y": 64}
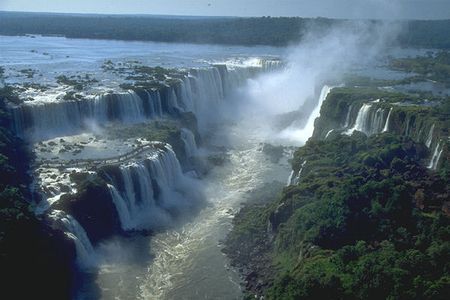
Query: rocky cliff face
{"x": 36, "y": 259}
{"x": 353, "y": 191}
{"x": 371, "y": 111}
{"x": 376, "y": 165}
{"x": 92, "y": 207}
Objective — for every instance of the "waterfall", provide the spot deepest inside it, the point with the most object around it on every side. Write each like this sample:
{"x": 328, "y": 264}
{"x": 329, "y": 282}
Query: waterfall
{"x": 303, "y": 134}
{"x": 130, "y": 108}
{"x": 436, "y": 157}
{"x": 153, "y": 105}
{"x": 295, "y": 180}
{"x": 190, "y": 146}
{"x": 328, "y": 133}
{"x": 369, "y": 121}
{"x": 174, "y": 107}
{"x": 376, "y": 122}
{"x": 361, "y": 119}
{"x": 430, "y": 137}
{"x": 185, "y": 92}
{"x": 316, "y": 112}
{"x": 386, "y": 126}
{"x": 199, "y": 92}
{"x": 271, "y": 65}
{"x": 207, "y": 89}
{"x": 86, "y": 256}
{"x": 291, "y": 176}
{"x": 145, "y": 193}
{"x": 42, "y": 120}
{"x": 347, "y": 118}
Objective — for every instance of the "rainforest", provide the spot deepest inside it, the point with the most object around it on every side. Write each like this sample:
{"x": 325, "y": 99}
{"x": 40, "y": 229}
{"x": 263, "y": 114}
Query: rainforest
{"x": 209, "y": 157}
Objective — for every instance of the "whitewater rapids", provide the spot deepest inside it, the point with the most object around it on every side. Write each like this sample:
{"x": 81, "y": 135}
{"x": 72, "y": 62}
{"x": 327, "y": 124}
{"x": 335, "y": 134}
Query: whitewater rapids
{"x": 187, "y": 262}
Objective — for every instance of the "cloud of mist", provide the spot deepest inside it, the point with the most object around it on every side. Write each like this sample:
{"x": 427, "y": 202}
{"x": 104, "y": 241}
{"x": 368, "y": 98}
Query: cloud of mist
{"x": 321, "y": 58}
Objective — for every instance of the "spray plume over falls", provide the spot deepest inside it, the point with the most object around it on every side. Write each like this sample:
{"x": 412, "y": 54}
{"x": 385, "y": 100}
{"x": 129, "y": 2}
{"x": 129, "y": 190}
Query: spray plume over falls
{"x": 187, "y": 261}
{"x": 146, "y": 193}
{"x": 310, "y": 69}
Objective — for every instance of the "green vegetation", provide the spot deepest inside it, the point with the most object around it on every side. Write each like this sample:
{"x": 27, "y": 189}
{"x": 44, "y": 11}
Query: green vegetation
{"x": 412, "y": 115}
{"x": 426, "y": 34}
{"x": 279, "y": 31}
{"x": 364, "y": 81}
{"x": 29, "y": 73}
{"x": 366, "y": 221}
{"x": 142, "y": 77}
{"x": 436, "y": 68}
{"x": 92, "y": 205}
{"x": 10, "y": 94}
{"x": 154, "y": 131}
{"x": 77, "y": 82}
{"x": 166, "y": 131}
{"x": 71, "y": 95}
{"x": 35, "y": 260}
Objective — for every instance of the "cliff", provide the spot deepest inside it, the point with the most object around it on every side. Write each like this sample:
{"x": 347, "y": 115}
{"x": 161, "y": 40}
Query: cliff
{"x": 366, "y": 210}
{"x": 36, "y": 260}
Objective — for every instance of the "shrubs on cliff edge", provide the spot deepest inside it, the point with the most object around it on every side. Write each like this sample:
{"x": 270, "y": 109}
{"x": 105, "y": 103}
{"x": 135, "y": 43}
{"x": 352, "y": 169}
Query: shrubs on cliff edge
{"x": 365, "y": 222}
{"x": 35, "y": 261}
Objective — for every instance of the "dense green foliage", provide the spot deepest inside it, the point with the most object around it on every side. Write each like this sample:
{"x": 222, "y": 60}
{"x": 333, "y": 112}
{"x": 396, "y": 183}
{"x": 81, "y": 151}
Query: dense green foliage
{"x": 426, "y": 34}
{"x": 433, "y": 67}
{"x": 278, "y": 31}
{"x": 418, "y": 110}
{"x": 365, "y": 222}
{"x": 167, "y": 131}
{"x": 35, "y": 261}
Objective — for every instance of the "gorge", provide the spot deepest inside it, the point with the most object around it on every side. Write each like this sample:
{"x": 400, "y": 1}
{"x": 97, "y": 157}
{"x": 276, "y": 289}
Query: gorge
{"x": 180, "y": 171}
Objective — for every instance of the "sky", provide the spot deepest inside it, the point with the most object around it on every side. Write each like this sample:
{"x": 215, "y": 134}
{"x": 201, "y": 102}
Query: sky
{"x": 359, "y": 9}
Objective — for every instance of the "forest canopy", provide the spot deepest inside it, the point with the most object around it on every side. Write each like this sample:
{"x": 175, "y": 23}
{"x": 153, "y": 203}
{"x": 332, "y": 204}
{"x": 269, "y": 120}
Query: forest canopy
{"x": 273, "y": 31}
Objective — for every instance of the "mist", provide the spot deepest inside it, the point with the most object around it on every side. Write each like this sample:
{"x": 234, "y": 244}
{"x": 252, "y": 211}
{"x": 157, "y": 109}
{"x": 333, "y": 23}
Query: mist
{"x": 180, "y": 157}
{"x": 321, "y": 59}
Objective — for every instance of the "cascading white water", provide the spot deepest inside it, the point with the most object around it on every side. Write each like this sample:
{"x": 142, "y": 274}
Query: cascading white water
{"x": 376, "y": 123}
{"x": 190, "y": 146}
{"x": 199, "y": 92}
{"x": 430, "y": 137}
{"x": 361, "y": 119}
{"x": 296, "y": 179}
{"x": 42, "y": 120}
{"x": 154, "y": 104}
{"x": 207, "y": 88}
{"x": 291, "y": 176}
{"x": 347, "y": 118}
{"x": 130, "y": 108}
{"x": 328, "y": 133}
{"x": 86, "y": 256}
{"x": 271, "y": 65}
{"x": 369, "y": 121}
{"x": 173, "y": 101}
{"x": 436, "y": 157}
{"x": 185, "y": 92}
{"x": 301, "y": 135}
{"x": 386, "y": 126}
{"x": 147, "y": 191}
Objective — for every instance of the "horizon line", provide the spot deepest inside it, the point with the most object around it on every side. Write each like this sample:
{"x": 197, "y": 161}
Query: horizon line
{"x": 204, "y": 16}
